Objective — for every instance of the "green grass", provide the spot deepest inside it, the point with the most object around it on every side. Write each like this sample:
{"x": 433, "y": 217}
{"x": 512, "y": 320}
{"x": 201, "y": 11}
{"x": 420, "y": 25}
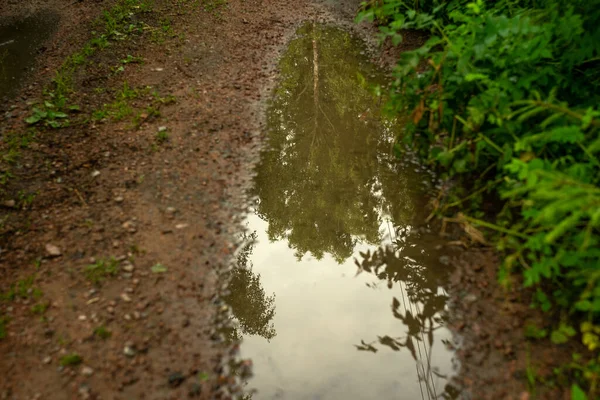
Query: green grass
{"x": 70, "y": 360}
{"x": 14, "y": 143}
{"x": 101, "y": 269}
{"x": 162, "y": 137}
{"x": 24, "y": 289}
{"x": 40, "y": 308}
{"x": 102, "y": 332}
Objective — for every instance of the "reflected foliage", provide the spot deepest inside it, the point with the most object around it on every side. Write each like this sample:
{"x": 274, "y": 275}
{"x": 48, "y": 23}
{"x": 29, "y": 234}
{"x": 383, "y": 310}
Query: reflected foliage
{"x": 416, "y": 275}
{"x": 326, "y": 178}
{"x": 250, "y": 305}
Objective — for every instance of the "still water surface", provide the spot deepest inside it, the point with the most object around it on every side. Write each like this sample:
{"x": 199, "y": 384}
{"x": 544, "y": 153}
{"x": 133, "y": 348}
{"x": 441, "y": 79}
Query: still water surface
{"x": 336, "y": 294}
{"x": 20, "y": 43}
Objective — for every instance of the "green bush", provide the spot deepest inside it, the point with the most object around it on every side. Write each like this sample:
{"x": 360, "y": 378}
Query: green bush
{"x": 503, "y": 99}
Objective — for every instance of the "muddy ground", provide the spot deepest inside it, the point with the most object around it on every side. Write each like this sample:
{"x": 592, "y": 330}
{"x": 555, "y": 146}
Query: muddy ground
{"x": 153, "y": 201}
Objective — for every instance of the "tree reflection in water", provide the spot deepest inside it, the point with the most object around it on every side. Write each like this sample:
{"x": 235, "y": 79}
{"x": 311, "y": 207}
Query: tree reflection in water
{"x": 252, "y": 308}
{"x": 326, "y": 183}
{"x": 418, "y": 275}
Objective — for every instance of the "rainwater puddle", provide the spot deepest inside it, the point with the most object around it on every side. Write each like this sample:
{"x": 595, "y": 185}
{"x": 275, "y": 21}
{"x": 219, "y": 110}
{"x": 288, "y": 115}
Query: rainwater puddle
{"x": 336, "y": 294}
{"x": 20, "y": 42}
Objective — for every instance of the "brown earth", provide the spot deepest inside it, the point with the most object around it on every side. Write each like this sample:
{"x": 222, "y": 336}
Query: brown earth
{"x": 118, "y": 188}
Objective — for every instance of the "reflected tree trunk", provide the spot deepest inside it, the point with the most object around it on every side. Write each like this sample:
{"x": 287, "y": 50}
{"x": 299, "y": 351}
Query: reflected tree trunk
{"x": 315, "y": 81}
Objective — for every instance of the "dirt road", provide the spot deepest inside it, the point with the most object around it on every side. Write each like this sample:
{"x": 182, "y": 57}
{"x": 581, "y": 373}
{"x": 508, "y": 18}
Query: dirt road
{"x": 116, "y": 228}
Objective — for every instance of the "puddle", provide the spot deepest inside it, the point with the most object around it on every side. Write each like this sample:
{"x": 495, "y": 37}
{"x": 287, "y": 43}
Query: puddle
{"x": 20, "y": 44}
{"x": 337, "y": 295}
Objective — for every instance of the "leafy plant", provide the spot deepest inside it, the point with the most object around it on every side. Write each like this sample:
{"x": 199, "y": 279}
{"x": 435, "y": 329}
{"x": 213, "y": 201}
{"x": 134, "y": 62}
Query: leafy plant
{"x": 503, "y": 100}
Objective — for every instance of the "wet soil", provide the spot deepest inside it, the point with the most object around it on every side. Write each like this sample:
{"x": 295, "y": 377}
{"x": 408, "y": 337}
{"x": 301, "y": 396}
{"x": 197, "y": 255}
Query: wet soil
{"x": 167, "y": 208}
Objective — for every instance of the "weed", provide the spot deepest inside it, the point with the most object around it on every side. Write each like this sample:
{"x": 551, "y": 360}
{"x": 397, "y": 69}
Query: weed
{"x": 40, "y": 308}
{"x": 101, "y": 269}
{"x": 131, "y": 59}
{"x": 102, "y": 332}
{"x": 25, "y": 199}
{"x": 99, "y": 115}
{"x": 48, "y": 116}
{"x": 24, "y": 289}
{"x": 168, "y": 99}
{"x": 162, "y": 136}
{"x": 213, "y": 5}
{"x": 72, "y": 359}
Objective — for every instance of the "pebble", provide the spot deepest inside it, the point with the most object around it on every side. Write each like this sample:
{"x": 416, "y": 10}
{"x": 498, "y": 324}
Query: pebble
{"x": 47, "y": 360}
{"x": 181, "y": 226}
{"x": 119, "y": 199}
{"x": 10, "y": 203}
{"x": 129, "y": 226}
{"x": 162, "y": 128}
{"x": 129, "y": 350}
{"x": 82, "y": 317}
{"x": 128, "y": 267}
{"x": 95, "y": 173}
{"x": 125, "y": 297}
{"x": 53, "y": 250}
{"x": 87, "y": 371}
{"x": 171, "y": 210}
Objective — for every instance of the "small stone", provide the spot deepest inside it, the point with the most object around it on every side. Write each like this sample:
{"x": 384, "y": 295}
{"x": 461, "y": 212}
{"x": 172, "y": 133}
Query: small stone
{"x": 125, "y": 297}
{"x": 128, "y": 267}
{"x": 129, "y": 350}
{"x": 95, "y": 173}
{"x": 470, "y": 298}
{"x": 127, "y": 317}
{"x": 162, "y": 128}
{"x": 111, "y": 310}
{"x": 181, "y": 226}
{"x": 129, "y": 226}
{"x": 10, "y": 203}
{"x": 87, "y": 371}
{"x": 119, "y": 199}
{"x": 82, "y": 318}
{"x": 47, "y": 360}
{"x": 171, "y": 210}
{"x": 53, "y": 250}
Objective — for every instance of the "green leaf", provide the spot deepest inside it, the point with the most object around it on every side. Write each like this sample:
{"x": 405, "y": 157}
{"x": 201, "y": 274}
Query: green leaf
{"x": 577, "y": 393}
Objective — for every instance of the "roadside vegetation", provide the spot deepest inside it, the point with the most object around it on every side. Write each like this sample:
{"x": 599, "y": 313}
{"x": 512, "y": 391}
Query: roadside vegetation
{"x": 503, "y": 100}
